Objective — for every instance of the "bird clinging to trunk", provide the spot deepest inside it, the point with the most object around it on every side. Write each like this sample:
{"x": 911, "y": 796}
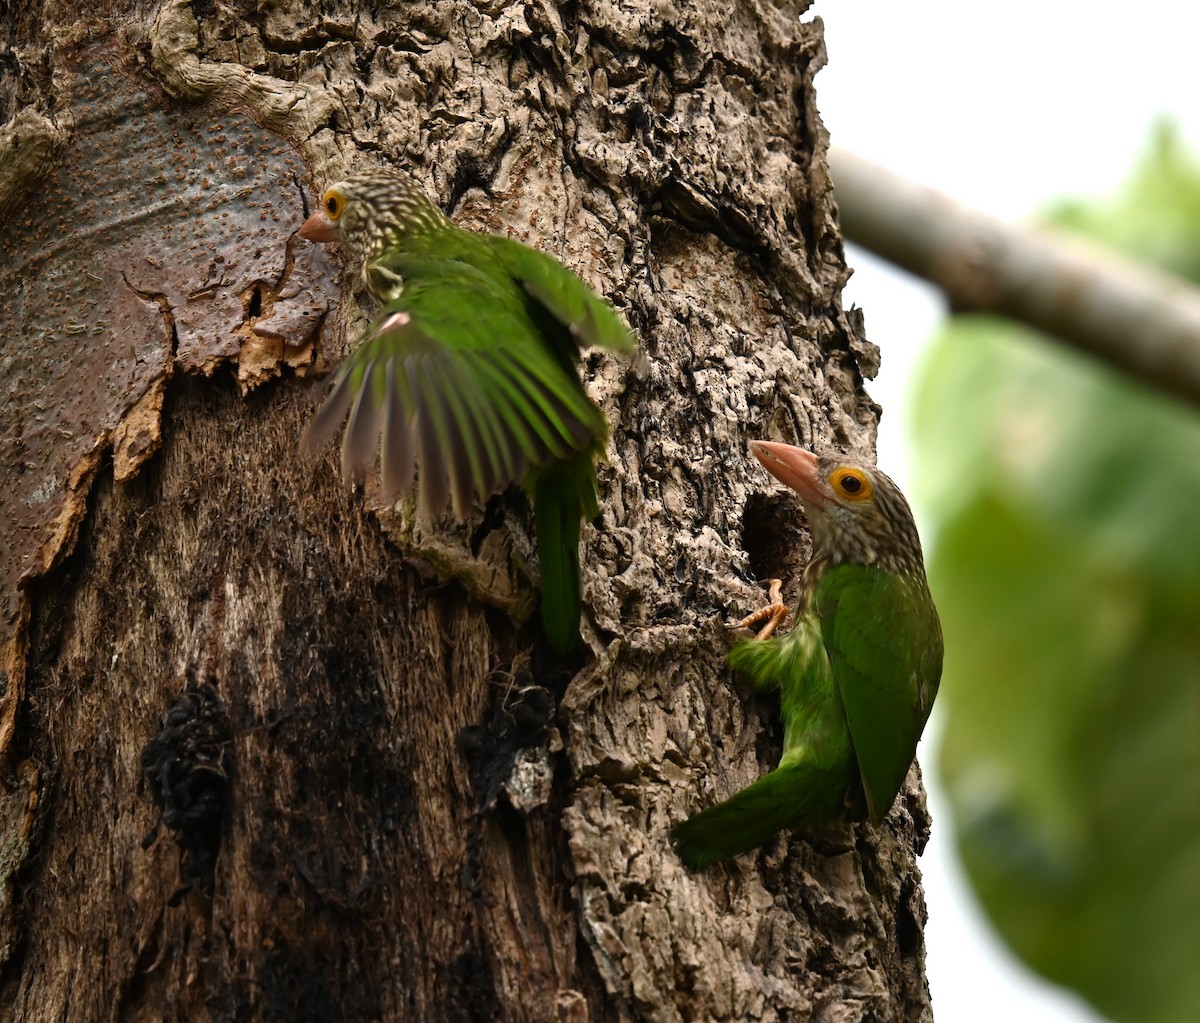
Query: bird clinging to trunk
{"x": 468, "y": 374}
{"x": 857, "y": 673}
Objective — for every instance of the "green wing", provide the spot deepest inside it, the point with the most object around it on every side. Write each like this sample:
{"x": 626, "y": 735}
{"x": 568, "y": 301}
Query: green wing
{"x": 453, "y": 377}
{"x": 885, "y": 645}
{"x": 817, "y": 767}
{"x": 588, "y": 318}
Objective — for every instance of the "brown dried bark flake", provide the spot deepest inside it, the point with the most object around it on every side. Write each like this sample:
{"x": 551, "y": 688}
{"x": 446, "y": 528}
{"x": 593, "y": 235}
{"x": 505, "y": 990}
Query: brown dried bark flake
{"x": 380, "y": 798}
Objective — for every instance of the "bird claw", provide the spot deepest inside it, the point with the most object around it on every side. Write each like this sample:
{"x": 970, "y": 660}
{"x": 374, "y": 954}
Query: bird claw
{"x": 774, "y": 612}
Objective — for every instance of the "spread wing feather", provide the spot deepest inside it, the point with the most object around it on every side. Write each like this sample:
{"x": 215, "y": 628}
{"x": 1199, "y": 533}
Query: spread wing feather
{"x": 396, "y": 449}
{"x": 563, "y": 294}
{"x": 454, "y": 376}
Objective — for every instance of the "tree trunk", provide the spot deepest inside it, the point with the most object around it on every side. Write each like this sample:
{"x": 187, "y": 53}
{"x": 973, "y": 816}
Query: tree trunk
{"x": 378, "y": 796}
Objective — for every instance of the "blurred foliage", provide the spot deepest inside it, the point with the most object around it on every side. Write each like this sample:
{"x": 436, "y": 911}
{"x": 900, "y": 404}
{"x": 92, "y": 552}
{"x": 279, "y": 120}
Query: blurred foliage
{"x": 1065, "y": 506}
{"x": 1156, "y": 217}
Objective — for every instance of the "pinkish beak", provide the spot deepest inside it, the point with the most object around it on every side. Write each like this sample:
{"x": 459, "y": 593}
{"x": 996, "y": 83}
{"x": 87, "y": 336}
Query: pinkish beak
{"x": 318, "y": 228}
{"x": 793, "y": 467}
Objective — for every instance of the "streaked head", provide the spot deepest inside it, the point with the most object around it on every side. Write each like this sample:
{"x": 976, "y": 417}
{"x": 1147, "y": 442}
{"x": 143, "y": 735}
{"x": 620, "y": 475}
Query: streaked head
{"x": 855, "y": 512}
{"x": 371, "y": 211}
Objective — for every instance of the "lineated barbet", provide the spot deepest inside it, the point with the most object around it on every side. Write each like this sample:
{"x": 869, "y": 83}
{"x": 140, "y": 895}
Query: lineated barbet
{"x": 468, "y": 374}
{"x": 857, "y": 673}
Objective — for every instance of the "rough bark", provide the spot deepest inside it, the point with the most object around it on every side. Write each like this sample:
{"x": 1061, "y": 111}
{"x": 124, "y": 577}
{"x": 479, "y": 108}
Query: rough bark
{"x": 379, "y": 797}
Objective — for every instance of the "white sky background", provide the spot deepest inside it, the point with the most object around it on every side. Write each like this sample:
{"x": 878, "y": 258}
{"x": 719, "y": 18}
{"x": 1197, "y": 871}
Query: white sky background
{"x": 1004, "y": 109}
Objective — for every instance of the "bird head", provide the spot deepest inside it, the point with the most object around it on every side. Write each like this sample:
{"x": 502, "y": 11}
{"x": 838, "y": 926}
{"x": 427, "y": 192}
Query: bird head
{"x": 372, "y": 211}
{"x": 856, "y": 514}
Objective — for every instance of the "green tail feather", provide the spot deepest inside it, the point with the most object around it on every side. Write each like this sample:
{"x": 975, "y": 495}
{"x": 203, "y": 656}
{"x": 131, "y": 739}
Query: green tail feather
{"x": 817, "y": 769}
{"x": 563, "y": 495}
{"x": 793, "y": 795}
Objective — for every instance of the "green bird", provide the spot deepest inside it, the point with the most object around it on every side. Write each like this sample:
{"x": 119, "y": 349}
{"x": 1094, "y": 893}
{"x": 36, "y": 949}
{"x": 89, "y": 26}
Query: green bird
{"x": 857, "y": 673}
{"x": 468, "y": 375}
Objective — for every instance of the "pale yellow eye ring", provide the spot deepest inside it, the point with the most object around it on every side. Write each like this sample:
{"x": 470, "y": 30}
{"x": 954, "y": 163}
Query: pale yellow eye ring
{"x": 334, "y": 203}
{"x": 851, "y": 484}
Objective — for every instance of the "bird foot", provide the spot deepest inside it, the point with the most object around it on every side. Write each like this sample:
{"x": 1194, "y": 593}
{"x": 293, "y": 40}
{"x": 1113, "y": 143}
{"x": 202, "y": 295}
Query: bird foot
{"x": 774, "y": 612}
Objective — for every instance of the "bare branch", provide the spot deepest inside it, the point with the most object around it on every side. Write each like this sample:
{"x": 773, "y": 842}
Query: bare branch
{"x": 1139, "y": 319}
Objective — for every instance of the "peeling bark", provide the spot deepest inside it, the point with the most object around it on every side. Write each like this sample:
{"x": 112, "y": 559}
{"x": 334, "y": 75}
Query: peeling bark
{"x": 418, "y": 813}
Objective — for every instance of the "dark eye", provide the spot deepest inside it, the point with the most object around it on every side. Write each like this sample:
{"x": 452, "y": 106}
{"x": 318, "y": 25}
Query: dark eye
{"x": 332, "y": 206}
{"x": 851, "y": 484}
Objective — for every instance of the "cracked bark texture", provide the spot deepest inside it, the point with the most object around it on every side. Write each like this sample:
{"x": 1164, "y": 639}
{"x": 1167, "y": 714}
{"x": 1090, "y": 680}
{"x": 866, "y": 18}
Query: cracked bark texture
{"x": 380, "y": 798}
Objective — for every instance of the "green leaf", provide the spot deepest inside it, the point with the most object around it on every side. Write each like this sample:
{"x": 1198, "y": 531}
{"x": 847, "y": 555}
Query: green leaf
{"x": 1065, "y": 505}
